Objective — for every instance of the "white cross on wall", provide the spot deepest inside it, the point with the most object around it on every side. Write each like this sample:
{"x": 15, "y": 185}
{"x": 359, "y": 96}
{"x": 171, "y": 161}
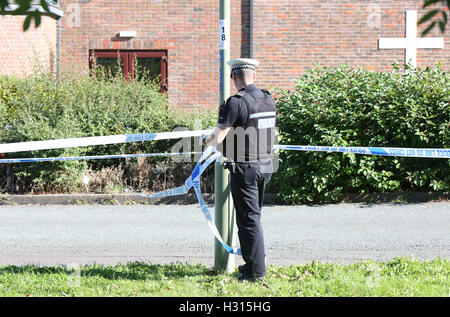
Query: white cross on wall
{"x": 411, "y": 43}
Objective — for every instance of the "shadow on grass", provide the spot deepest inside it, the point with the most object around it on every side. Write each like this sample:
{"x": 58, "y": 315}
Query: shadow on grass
{"x": 129, "y": 271}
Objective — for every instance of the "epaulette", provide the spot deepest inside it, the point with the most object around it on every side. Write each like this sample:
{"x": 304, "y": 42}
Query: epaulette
{"x": 240, "y": 94}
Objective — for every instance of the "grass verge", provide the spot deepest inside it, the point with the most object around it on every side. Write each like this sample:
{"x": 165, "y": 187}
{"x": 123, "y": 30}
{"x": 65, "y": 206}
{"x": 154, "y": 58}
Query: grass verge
{"x": 398, "y": 277}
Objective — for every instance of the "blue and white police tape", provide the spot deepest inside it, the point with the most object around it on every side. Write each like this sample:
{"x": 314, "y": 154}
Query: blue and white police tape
{"x": 384, "y": 151}
{"x": 198, "y": 170}
{"x": 96, "y": 140}
{"x": 192, "y": 181}
{"x": 90, "y": 157}
{"x": 209, "y": 156}
{"x": 126, "y": 138}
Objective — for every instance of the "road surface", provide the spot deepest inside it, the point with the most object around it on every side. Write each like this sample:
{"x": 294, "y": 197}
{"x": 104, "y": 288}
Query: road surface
{"x": 108, "y": 234}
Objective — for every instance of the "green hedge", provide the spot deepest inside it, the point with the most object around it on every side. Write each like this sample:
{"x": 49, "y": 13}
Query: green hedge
{"x": 338, "y": 107}
{"x": 355, "y": 107}
{"x": 37, "y": 108}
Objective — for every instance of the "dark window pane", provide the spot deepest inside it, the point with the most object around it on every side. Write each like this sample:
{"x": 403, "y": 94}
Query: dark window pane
{"x": 148, "y": 69}
{"x": 109, "y": 67}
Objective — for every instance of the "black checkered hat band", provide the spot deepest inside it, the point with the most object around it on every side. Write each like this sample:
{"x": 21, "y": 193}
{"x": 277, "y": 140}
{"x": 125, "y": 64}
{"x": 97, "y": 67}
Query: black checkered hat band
{"x": 238, "y": 66}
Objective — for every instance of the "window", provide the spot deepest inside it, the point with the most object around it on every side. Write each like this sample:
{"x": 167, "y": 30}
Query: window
{"x": 133, "y": 64}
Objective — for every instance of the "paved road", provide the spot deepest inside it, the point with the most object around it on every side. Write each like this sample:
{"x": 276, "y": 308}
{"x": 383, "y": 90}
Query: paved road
{"x": 342, "y": 233}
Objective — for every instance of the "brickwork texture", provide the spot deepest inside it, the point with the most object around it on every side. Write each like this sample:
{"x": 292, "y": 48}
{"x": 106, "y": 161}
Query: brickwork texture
{"x": 23, "y": 52}
{"x": 290, "y": 36}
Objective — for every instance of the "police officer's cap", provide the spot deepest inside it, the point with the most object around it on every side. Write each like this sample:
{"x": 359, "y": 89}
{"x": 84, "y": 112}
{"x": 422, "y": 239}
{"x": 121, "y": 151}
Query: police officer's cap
{"x": 240, "y": 63}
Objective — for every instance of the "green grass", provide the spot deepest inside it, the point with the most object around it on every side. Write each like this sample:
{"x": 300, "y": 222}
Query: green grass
{"x": 399, "y": 277}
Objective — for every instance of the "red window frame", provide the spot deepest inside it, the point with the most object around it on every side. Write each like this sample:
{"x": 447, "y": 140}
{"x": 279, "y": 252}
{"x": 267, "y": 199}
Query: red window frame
{"x": 128, "y": 61}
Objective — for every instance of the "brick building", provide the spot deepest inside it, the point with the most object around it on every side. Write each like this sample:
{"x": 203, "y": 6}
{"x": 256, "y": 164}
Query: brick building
{"x": 179, "y": 39}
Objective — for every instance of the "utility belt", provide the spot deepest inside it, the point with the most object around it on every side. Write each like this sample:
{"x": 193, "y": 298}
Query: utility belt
{"x": 232, "y": 166}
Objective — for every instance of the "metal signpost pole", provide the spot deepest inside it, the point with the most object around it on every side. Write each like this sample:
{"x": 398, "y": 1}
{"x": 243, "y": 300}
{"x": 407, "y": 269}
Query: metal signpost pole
{"x": 224, "y": 213}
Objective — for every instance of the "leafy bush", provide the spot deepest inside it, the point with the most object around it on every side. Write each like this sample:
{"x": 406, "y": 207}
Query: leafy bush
{"x": 39, "y": 108}
{"x": 338, "y": 107}
{"x": 355, "y": 107}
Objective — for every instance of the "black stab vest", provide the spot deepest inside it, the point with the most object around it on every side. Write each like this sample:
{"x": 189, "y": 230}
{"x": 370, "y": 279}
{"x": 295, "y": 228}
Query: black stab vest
{"x": 254, "y": 139}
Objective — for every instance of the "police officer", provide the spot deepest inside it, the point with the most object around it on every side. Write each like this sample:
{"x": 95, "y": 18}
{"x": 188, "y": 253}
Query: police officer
{"x": 245, "y": 135}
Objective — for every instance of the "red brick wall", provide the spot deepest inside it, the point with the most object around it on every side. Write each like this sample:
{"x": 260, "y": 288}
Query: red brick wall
{"x": 289, "y": 36}
{"x": 188, "y": 30}
{"x": 21, "y": 51}
{"x": 292, "y": 35}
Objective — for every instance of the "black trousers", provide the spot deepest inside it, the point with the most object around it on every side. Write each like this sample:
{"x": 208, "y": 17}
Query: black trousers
{"x": 248, "y": 183}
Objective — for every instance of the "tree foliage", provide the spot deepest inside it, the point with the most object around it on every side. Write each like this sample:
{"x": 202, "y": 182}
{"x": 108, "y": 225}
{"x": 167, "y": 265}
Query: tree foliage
{"x": 24, "y": 7}
{"x": 437, "y": 16}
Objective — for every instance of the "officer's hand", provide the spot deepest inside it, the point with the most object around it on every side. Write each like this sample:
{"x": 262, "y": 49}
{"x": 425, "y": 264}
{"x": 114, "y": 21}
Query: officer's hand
{"x": 202, "y": 139}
